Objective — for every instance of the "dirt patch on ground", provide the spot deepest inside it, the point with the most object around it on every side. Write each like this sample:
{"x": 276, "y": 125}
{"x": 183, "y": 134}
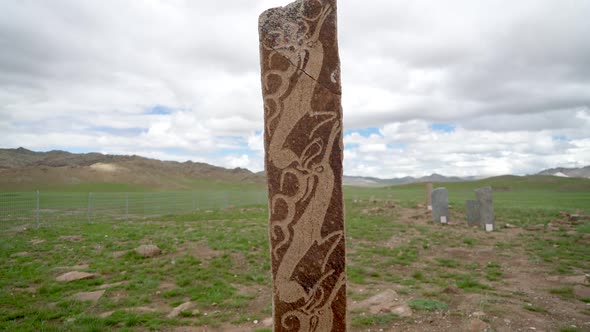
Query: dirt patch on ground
{"x": 71, "y": 238}
{"x": 198, "y": 250}
{"x": 518, "y": 300}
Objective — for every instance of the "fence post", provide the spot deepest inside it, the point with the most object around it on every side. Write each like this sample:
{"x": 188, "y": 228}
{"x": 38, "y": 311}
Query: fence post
{"x": 89, "y": 207}
{"x": 126, "y": 206}
{"x": 194, "y": 201}
{"x": 37, "y": 214}
{"x": 173, "y": 203}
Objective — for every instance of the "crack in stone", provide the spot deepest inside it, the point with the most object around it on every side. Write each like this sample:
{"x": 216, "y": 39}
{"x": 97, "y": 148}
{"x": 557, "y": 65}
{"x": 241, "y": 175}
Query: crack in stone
{"x": 306, "y": 74}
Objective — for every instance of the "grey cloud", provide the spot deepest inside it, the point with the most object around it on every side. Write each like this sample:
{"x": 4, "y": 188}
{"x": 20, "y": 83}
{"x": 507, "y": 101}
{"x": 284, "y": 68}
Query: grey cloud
{"x": 499, "y": 66}
{"x": 529, "y": 59}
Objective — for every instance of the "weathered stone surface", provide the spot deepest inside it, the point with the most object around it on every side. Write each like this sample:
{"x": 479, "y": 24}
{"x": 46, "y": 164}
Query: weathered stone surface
{"x": 428, "y": 198}
{"x": 451, "y": 289}
{"x": 472, "y": 210}
{"x": 118, "y": 254}
{"x": 581, "y": 292}
{"x": 402, "y": 310}
{"x": 267, "y": 322}
{"x": 183, "y": 307}
{"x": 387, "y": 301}
{"x": 114, "y": 284}
{"x": 75, "y": 275}
{"x": 476, "y": 325}
{"x": 89, "y": 296}
{"x": 440, "y": 205}
{"x": 303, "y": 142}
{"x": 486, "y": 206}
{"x": 72, "y": 238}
{"x": 381, "y": 302}
{"x": 582, "y": 279}
{"x": 149, "y": 250}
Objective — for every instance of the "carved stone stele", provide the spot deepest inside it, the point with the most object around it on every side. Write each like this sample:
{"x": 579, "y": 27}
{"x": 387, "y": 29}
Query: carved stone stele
{"x": 303, "y": 161}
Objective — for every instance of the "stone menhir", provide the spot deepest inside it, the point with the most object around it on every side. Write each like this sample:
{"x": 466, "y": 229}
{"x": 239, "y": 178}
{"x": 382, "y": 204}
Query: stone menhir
{"x": 440, "y": 205}
{"x": 472, "y": 209}
{"x": 486, "y": 207}
{"x": 428, "y": 199}
{"x": 303, "y": 162}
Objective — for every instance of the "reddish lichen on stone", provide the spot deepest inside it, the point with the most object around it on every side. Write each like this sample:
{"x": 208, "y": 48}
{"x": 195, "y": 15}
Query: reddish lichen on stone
{"x": 303, "y": 161}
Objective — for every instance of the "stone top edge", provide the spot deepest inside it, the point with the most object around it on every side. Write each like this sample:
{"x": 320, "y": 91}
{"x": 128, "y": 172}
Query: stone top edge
{"x": 266, "y": 15}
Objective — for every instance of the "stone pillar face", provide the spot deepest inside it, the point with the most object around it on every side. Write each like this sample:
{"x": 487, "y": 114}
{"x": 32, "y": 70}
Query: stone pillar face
{"x": 303, "y": 161}
{"x": 428, "y": 199}
{"x": 486, "y": 206}
{"x": 440, "y": 205}
{"x": 472, "y": 211}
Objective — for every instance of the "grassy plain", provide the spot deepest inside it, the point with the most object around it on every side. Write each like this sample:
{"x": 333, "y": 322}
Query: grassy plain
{"x": 451, "y": 277}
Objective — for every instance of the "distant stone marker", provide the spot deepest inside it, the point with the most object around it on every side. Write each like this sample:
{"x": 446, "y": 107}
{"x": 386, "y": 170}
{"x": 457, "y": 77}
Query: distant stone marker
{"x": 303, "y": 142}
{"x": 472, "y": 209}
{"x": 428, "y": 199}
{"x": 440, "y": 205}
{"x": 486, "y": 208}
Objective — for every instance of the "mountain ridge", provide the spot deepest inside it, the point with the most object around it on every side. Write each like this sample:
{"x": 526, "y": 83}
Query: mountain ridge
{"x": 23, "y": 168}
{"x": 576, "y": 172}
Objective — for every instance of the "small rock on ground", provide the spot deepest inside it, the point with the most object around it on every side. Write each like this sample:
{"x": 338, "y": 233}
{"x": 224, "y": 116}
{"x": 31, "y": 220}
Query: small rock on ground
{"x": 476, "y": 325}
{"x": 176, "y": 311}
{"x": 575, "y": 280}
{"x": 582, "y": 292}
{"x": 402, "y": 310}
{"x": 20, "y": 254}
{"x": 75, "y": 275}
{"x": 149, "y": 250}
{"x": 114, "y": 284}
{"x": 451, "y": 290}
{"x": 380, "y": 303}
{"x": 72, "y": 238}
{"x": 118, "y": 254}
{"x": 106, "y": 314}
{"x": 89, "y": 296}
{"x": 267, "y": 322}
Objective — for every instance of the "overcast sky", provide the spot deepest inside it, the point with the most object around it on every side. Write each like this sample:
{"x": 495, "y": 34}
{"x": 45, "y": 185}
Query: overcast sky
{"x": 453, "y": 87}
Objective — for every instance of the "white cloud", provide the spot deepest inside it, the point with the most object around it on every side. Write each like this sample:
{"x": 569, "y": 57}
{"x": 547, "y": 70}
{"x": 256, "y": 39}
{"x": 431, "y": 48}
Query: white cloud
{"x": 242, "y": 161}
{"x": 413, "y": 148}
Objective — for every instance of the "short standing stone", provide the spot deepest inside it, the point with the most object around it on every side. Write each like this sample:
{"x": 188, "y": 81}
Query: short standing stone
{"x": 486, "y": 207}
{"x": 440, "y": 205}
{"x": 428, "y": 197}
{"x": 149, "y": 250}
{"x": 472, "y": 209}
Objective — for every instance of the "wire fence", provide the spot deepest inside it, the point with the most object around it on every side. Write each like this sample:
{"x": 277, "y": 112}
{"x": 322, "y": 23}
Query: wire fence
{"x": 46, "y": 207}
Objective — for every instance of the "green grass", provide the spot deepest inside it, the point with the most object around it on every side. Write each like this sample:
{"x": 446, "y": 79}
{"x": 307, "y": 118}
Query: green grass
{"x": 447, "y": 262}
{"x": 427, "y": 305}
{"x": 212, "y": 254}
{"x": 534, "y": 308}
{"x": 511, "y": 192}
{"x": 211, "y": 281}
{"x": 564, "y": 292}
{"x": 570, "y": 329}
{"x": 371, "y": 320}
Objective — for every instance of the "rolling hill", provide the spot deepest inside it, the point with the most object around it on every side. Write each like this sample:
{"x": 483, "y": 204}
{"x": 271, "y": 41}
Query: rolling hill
{"x": 362, "y": 181}
{"x": 25, "y": 170}
{"x": 22, "y": 169}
